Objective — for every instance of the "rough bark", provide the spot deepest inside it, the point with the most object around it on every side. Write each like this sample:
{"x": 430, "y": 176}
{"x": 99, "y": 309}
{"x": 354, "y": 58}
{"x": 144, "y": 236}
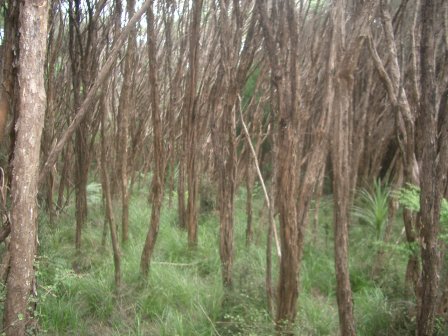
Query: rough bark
{"x": 341, "y": 193}
{"x": 298, "y": 159}
{"x": 158, "y": 178}
{"x": 404, "y": 122}
{"x": 109, "y": 212}
{"x": 433, "y": 171}
{"x": 231, "y": 77}
{"x": 53, "y": 47}
{"x": 124, "y": 110}
{"x": 33, "y": 28}
{"x": 191, "y": 123}
{"x": 287, "y": 166}
{"x": 341, "y": 180}
{"x": 8, "y": 89}
{"x": 348, "y": 48}
{"x": 81, "y": 153}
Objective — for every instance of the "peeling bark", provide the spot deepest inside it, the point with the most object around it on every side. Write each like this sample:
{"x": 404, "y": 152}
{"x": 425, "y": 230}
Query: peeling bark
{"x": 33, "y": 28}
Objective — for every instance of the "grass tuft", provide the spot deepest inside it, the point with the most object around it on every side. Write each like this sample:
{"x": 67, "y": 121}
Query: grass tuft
{"x": 183, "y": 294}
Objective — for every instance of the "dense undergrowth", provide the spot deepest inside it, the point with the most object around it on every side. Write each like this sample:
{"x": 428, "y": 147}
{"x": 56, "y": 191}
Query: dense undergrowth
{"x": 184, "y": 295}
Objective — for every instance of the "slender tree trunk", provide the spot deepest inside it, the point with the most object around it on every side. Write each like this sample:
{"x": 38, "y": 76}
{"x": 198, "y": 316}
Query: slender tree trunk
{"x": 109, "y": 215}
{"x": 341, "y": 190}
{"x": 271, "y": 221}
{"x": 157, "y": 188}
{"x": 81, "y": 179}
{"x": 63, "y": 179}
{"x": 124, "y": 109}
{"x": 47, "y": 137}
{"x": 286, "y": 179}
{"x": 33, "y": 28}
{"x": 181, "y": 190}
{"x": 191, "y": 125}
{"x": 8, "y": 89}
{"x": 433, "y": 172}
{"x": 249, "y": 190}
{"x": 224, "y": 99}
{"x": 81, "y": 135}
{"x": 318, "y": 199}
{"x": 348, "y": 48}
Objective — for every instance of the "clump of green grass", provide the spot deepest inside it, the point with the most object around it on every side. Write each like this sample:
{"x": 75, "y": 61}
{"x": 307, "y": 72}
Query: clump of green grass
{"x": 183, "y": 294}
{"x": 372, "y": 207}
{"x": 317, "y": 314}
{"x": 374, "y": 314}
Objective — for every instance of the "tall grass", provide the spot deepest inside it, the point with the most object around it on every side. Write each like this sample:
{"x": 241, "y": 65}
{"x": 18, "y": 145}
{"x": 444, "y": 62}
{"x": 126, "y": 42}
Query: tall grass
{"x": 183, "y": 294}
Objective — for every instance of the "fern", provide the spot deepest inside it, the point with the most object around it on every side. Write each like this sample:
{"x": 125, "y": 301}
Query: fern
{"x": 409, "y": 198}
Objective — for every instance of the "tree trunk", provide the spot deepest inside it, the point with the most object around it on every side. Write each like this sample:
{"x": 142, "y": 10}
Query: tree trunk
{"x": 341, "y": 192}
{"x": 250, "y": 178}
{"x": 48, "y": 131}
{"x": 348, "y": 48}
{"x": 81, "y": 179}
{"x": 63, "y": 179}
{"x": 230, "y": 81}
{"x": 109, "y": 212}
{"x": 286, "y": 165}
{"x": 191, "y": 125}
{"x": 124, "y": 109}
{"x": 433, "y": 171}
{"x": 81, "y": 159}
{"x": 158, "y": 178}
{"x": 340, "y": 154}
{"x": 9, "y": 91}
{"x": 33, "y": 23}
{"x": 181, "y": 190}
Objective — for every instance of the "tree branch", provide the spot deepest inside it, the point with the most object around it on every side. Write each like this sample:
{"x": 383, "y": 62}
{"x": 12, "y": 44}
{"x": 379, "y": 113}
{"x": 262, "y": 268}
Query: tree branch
{"x": 265, "y": 192}
{"x": 92, "y": 93}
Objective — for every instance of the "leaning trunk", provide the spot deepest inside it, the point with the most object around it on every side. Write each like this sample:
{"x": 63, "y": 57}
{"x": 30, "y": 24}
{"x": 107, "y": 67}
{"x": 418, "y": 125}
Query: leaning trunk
{"x": 159, "y": 156}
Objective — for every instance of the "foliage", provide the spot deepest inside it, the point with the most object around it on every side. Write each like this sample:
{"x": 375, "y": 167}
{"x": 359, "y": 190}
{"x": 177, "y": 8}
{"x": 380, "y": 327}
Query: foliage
{"x": 184, "y": 294}
{"x": 409, "y": 197}
{"x": 94, "y": 193}
{"x": 372, "y": 207}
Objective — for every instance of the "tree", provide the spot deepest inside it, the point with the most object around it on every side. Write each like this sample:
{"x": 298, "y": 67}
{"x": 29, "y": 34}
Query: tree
{"x": 124, "y": 108}
{"x": 157, "y": 184}
{"x": 33, "y": 28}
{"x": 109, "y": 213}
{"x": 190, "y": 129}
{"x": 231, "y": 77}
{"x": 433, "y": 127}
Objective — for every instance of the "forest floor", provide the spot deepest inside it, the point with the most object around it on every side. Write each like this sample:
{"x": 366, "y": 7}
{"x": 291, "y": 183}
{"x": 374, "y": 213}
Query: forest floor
{"x": 184, "y": 295}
